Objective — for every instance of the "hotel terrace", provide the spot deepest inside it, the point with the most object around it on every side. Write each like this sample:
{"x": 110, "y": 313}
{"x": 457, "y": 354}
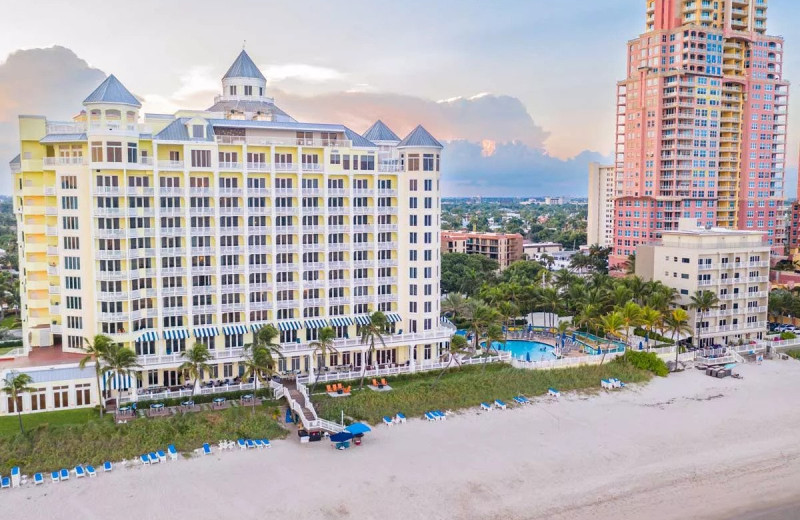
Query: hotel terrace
{"x": 162, "y": 231}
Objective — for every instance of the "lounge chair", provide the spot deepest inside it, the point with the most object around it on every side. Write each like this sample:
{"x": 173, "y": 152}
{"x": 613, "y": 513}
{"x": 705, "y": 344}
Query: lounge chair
{"x": 430, "y": 416}
{"x": 329, "y": 389}
{"x": 91, "y": 471}
{"x": 375, "y": 382}
{"x": 206, "y": 449}
{"x": 605, "y": 383}
{"x": 388, "y": 420}
{"x": 440, "y": 415}
{"x": 400, "y": 417}
{"x": 553, "y": 392}
{"x": 242, "y": 444}
{"x": 346, "y": 390}
{"x": 500, "y": 404}
{"x": 153, "y": 458}
{"x": 15, "y": 477}
{"x": 38, "y": 479}
{"x": 63, "y": 474}
{"x": 173, "y": 453}
{"x": 107, "y": 466}
{"x": 54, "y": 477}
{"x": 518, "y": 400}
{"x": 266, "y": 443}
{"x": 250, "y": 443}
{"x": 162, "y": 457}
{"x": 259, "y": 443}
{"x": 486, "y": 406}
{"x": 79, "y": 471}
{"x": 5, "y": 482}
{"x": 145, "y": 459}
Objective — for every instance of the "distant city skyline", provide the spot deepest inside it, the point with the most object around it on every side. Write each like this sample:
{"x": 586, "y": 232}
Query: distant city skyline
{"x": 522, "y": 95}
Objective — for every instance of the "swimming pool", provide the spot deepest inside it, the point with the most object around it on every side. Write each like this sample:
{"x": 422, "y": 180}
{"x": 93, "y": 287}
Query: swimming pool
{"x": 523, "y": 349}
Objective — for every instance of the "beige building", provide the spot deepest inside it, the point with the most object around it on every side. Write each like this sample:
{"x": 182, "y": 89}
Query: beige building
{"x": 532, "y": 249}
{"x": 505, "y": 248}
{"x": 732, "y": 264}
{"x": 600, "y": 224}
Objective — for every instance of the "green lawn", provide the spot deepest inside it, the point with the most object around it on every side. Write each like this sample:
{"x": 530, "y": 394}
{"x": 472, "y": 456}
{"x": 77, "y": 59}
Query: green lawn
{"x": 63, "y": 439}
{"x": 6, "y": 350}
{"x": 467, "y": 387}
{"x": 9, "y": 321}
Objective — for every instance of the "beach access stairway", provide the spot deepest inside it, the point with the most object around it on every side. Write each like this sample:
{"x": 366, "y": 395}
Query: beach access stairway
{"x": 296, "y": 396}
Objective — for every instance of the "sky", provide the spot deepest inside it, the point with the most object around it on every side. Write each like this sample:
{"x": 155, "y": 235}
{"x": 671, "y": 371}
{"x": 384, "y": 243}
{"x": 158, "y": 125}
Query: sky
{"x": 522, "y": 91}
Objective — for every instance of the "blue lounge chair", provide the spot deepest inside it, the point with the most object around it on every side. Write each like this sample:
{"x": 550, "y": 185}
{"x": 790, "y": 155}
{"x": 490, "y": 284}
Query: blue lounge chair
{"x": 15, "y": 477}
{"x": 63, "y": 474}
{"x": 266, "y": 443}
{"x": 486, "y": 406}
{"x": 388, "y": 420}
{"x": 553, "y": 392}
{"x": 242, "y": 444}
{"x": 259, "y": 443}
{"x": 5, "y": 482}
{"x": 401, "y": 418}
{"x": 430, "y": 416}
{"x": 251, "y": 443}
{"x": 206, "y": 449}
{"x": 90, "y": 471}
{"x": 153, "y": 458}
{"x": 38, "y": 478}
{"x": 162, "y": 457}
{"x": 107, "y": 466}
{"x": 500, "y": 404}
{"x": 605, "y": 383}
{"x": 173, "y": 453}
{"x": 440, "y": 415}
{"x": 54, "y": 476}
{"x": 79, "y": 472}
{"x": 145, "y": 459}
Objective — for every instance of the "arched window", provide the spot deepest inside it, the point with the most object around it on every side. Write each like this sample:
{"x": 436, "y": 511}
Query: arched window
{"x": 113, "y": 115}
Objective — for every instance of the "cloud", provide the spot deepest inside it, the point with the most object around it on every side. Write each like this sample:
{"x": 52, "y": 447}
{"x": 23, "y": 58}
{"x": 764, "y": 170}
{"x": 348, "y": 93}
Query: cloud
{"x": 52, "y": 82}
{"x": 302, "y": 72}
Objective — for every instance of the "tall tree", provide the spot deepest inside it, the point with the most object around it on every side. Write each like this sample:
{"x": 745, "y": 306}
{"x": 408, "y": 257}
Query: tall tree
{"x": 14, "y": 385}
{"x": 650, "y": 319}
{"x": 259, "y": 364}
{"x": 704, "y": 301}
{"x": 454, "y": 304}
{"x": 372, "y": 333}
{"x": 458, "y": 346}
{"x": 631, "y": 316}
{"x": 95, "y": 350}
{"x": 321, "y": 347}
{"x": 677, "y": 323}
{"x": 196, "y": 363}
{"x": 120, "y": 360}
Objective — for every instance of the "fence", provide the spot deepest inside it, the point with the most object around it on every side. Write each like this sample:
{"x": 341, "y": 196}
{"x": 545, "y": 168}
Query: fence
{"x": 176, "y": 394}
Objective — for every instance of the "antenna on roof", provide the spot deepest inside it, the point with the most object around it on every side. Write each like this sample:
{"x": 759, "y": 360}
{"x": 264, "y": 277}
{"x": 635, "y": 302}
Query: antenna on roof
{"x": 244, "y": 43}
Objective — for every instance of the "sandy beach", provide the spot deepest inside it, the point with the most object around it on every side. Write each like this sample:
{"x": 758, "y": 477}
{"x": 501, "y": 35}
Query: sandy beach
{"x": 687, "y": 446}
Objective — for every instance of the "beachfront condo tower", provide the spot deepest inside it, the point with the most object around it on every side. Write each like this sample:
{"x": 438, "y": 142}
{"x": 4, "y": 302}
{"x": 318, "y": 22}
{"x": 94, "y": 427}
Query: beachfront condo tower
{"x": 163, "y": 231}
{"x": 701, "y": 123}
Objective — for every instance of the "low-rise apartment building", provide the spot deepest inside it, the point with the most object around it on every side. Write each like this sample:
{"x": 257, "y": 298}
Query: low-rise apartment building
{"x": 505, "y": 248}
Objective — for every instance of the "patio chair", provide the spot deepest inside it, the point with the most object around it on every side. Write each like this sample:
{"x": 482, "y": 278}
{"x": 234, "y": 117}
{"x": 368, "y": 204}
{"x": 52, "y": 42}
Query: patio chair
{"x": 63, "y": 474}
{"x": 54, "y": 477}
{"x": 206, "y": 449}
{"x": 15, "y": 477}
{"x": 388, "y": 421}
{"x": 107, "y": 466}
{"x": 91, "y": 471}
{"x": 430, "y": 416}
{"x": 374, "y": 382}
{"x": 605, "y": 383}
{"x": 38, "y": 479}
{"x": 79, "y": 471}
{"x": 329, "y": 389}
{"x": 259, "y": 443}
{"x": 173, "y": 453}
{"x": 346, "y": 390}
{"x": 486, "y": 407}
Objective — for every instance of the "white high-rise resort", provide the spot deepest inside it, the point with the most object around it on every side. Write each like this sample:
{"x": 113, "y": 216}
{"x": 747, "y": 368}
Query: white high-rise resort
{"x": 161, "y": 231}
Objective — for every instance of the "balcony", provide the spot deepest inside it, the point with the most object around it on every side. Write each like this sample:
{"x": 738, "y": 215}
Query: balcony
{"x": 280, "y": 210}
{"x": 258, "y": 166}
{"x": 171, "y": 212}
{"x": 231, "y": 211}
{"x": 230, "y": 191}
{"x": 311, "y": 167}
{"x": 230, "y": 166}
{"x": 112, "y": 276}
{"x": 173, "y": 231}
{"x": 171, "y": 165}
{"x": 232, "y": 307}
{"x": 200, "y": 211}
{"x": 170, "y": 251}
{"x": 141, "y": 191}
{"x": 200, "y": 191}
{"x": 260, "y": 306}
{"x": 232, "y": 288}
{"x": 109, "y": 254}
{"x": 112, "y": 296}
{"x": 173, "y": 291}
{"x": 109, "y": 212}
{"x": 285, "y": 167}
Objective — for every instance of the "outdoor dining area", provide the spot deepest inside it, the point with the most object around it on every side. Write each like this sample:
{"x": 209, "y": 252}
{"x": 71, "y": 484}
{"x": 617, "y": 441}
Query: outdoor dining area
{"x": 337, "y": 390}
{"x": 158, "y": 410}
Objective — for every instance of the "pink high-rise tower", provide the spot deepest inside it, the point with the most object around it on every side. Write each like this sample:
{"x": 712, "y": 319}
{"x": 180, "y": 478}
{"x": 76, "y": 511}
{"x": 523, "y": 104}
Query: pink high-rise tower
{"x": 701, "y": 123}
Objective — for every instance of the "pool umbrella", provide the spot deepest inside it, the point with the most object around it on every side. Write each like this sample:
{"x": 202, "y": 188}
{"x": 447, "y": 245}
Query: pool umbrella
{"x": 341, "y": 437}
{"x": 357, "y": 428}
{"x": 528, "y": 357}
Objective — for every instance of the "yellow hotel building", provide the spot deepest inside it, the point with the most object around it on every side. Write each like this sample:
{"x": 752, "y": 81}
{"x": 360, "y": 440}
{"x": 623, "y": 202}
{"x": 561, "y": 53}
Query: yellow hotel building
{"x": 162, "y": 231}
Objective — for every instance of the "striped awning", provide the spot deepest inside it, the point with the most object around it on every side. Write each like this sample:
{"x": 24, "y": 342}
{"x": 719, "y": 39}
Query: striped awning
{"x": 255, "y": 327}
{"x": 150, "y": 335}
{"x": 230, "y": 330}
{"x": 289, "y": 325}
{"x": 363, "y": 320}
{"x": 205, "y": 332}
{"x": 340, "y": 322}
{"x": 393, "y": 317}
{"x": 316, "y": 323}
{"x": 116, "y": 381}
{"x": 176, "y": 334}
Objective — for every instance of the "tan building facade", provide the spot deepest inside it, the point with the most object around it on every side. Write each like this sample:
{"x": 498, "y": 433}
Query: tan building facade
{"x": 505, "y": 248}
{"x": 600, "y": 219}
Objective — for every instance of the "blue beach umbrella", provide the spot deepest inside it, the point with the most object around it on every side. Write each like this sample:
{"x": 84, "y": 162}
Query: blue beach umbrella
{"x": 357, "y": 428}
{"x": 640, "y": 345}
{"x": 288, "y": 416}
{"x": 341, "y": 437}
{"x": 528, "y": 357}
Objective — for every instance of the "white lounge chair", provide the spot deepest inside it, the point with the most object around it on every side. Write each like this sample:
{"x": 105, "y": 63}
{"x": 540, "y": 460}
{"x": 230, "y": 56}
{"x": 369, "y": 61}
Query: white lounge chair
{"x": 5, "y": 482}
{"x": 145, "y": 459}
{"x": 486, "y": 407}
{"x": 242, "y": 444}
{"x": 605, "y": 383}
{"x": 401, "y": 418}
{"x": 430, "y": 416}
{"x": 91, "y": 471}
{"x": 54, "y": 477}
{"x": 173, "y": 453}
{"x": 63, "y": 474}
{"x": 79, "y": 471}
{"x": 266, "y": 443}
{"x": 38, "y": 478}
{"x": 15, "y": 477}
{"x": 388, "y": 420}
{"x": 107, "y": 466}
{"x": 259, "y": 443}
{"x": 162, "y": 457}
{"x": 553, "y": 392}
{"x": 206, "y": 449}
{"x": 500, "y": 404}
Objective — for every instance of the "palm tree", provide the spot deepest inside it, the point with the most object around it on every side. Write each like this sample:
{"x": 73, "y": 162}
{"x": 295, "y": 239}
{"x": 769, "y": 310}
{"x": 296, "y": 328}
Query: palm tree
{"x": 612, "y": 325}
{"x": 454, "y": 304}
{"x": 482, "y": 316}
{"x": 551, "y": 300}
{"x": 16, "y": 384}
{"x": 266, "y": 337}
{"x": 95, "y": 350}
{"x": 259, "y": 364}
{"x": 458, "y": 346}
{"x": 197, "y": 359}
{"x": 321, "y": 347}
{"x": 370, "y": 333}
{"x": 507, "y": 310}
{"x": 704, "y": 301}
{"x": 631, "y": 316}
{"x": 620, "y": 294}
{"x": 677, "y": 323}
{"x": 649, "y": 319}
{"x": 120, "y": 360}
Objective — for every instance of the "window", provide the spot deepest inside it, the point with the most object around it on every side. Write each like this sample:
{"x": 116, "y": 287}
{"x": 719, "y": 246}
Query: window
{"x": 201, "y": 158}
{"x": 132, "y": 149}
{"x": 427, "y": 163}
{"x": 413, "y": 162}
{"x": 198, "y": 132}
{"x": 114, "y": 151}
{"x": 248, "y": 90}
{"x": 60, "y": 396}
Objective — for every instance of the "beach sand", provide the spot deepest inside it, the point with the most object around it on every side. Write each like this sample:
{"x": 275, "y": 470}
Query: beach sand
{"x": 687, "y": 446}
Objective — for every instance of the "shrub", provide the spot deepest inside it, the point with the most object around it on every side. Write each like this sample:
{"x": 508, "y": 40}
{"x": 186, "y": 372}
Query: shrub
{"x": 654, "y": 336}
{"x": 645, "y": 361}
{"x": 145, "y": 401}
{"x": 788, "y": 335}
{"x": 794, "y": 353}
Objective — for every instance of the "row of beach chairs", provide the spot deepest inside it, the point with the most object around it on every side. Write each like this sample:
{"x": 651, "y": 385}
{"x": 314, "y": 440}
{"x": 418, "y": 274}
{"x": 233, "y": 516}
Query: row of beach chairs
{"x": 337, "y": 388}
{"x": 611, "y": 383}
{"x": 435, "y": 415}
{"x": 155, "y": 457}
{"x": 397, "y": 419}
{"x": 245, "y": 444}
{"x": 79, "y": 471}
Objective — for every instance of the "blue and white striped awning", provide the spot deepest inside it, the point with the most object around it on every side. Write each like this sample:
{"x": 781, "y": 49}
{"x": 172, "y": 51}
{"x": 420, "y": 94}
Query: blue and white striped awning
{"x": 255, "y": 327}
{"x": 363, "y": 320}
{"x": 205, "y": 332}
{"x": 340, "y": 322}
{"x": 290, "y": 325}
{"x": 149, "y": 335}
{"x": 230, "y": 330}
{"x": 393, "y": 317}
{"x": 176, "y": 334}
{"x": 315, "y": 324}
{"x": 116, "y": 381}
